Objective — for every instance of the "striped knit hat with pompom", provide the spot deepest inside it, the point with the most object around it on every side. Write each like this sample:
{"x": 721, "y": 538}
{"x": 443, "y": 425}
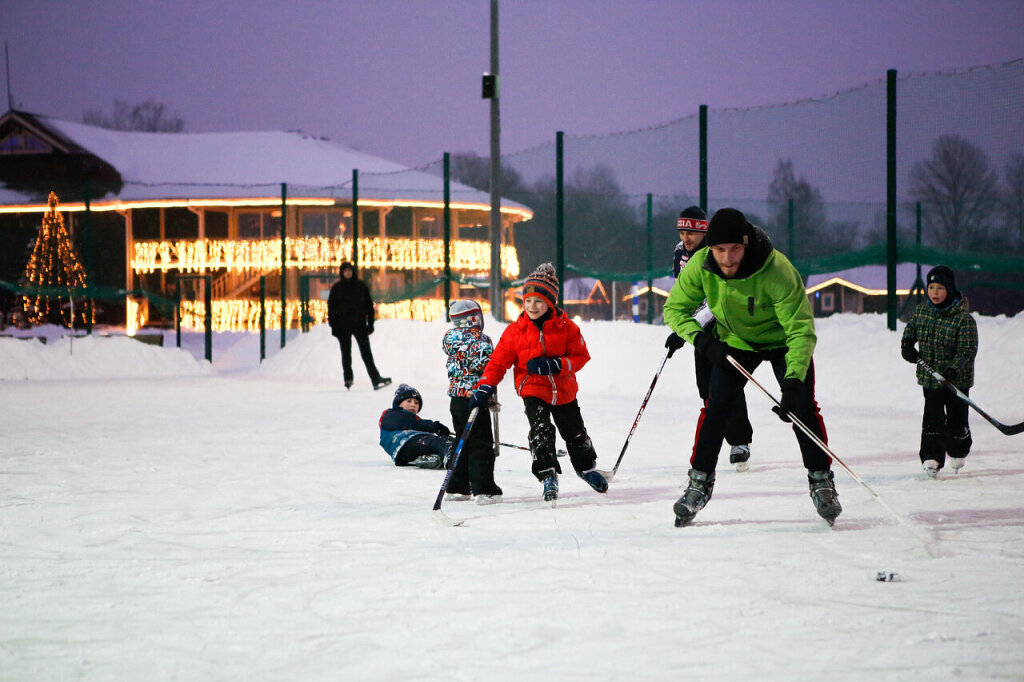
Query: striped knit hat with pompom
{"x": 544, "y": 283}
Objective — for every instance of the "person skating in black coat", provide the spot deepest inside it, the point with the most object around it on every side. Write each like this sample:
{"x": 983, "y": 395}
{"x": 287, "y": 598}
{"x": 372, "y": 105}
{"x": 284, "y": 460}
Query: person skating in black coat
{"x": 350, "y": 313}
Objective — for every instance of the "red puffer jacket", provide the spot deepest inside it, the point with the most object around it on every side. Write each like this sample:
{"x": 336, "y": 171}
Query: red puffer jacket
{"x": 522, "y": 341}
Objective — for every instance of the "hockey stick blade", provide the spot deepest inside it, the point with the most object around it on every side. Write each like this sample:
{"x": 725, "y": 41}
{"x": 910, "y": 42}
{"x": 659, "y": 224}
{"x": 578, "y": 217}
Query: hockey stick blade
{"x": 445, "y": 520}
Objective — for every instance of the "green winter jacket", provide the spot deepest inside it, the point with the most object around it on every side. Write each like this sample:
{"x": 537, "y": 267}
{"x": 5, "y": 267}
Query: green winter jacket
{"x": 947, "y": 338}
{"x": 764, "y": 307}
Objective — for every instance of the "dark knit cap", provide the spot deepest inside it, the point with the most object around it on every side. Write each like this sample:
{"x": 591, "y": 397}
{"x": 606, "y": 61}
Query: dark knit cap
{"x": 404, "y": 392}
{"x": 693, "y": 219}
{"x": 941, "y": 274}
{"x": 542, "y": 282}
{"x": 729, "y": 226}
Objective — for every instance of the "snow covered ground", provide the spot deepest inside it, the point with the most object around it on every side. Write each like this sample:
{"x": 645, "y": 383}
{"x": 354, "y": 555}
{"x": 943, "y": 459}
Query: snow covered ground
{"x": 161, "y": 519}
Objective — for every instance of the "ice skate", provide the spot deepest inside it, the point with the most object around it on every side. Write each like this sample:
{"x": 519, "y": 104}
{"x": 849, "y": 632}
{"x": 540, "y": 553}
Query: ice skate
{"x": 488, "y": 499}
{"x": 550, "y": 488}
{"x": 697, "y": 494}
{"x": 824, "y": 496}
{"x": 956, "y": 464}
{"x": 458, "y": 497}
{"x": 740, "y": 456}
{"x": 931, "y": 467}
{"x": 381, "y": 382}
{"x": 428, "y": 462}
{"x": 595, "y": 479}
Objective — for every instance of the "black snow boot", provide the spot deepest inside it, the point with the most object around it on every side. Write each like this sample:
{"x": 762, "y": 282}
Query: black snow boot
{"x": 824, "y": 495}
{"x": 696, "y": 496}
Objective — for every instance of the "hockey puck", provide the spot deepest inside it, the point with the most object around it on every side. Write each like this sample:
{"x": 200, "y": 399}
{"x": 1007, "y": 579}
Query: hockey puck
{"x": 887, "y": 577}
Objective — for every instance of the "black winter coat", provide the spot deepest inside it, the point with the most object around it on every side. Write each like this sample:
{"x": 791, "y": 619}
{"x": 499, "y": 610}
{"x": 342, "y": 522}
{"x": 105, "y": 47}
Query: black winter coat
{"x": 349, "y": 307}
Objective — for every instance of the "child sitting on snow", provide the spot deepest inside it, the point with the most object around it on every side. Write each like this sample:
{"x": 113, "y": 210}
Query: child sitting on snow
{"x": 948, "y": 340}
{"x": 409, "y": 439}
{"x": 545, "y": 349}
{"x": 468, "y": 350}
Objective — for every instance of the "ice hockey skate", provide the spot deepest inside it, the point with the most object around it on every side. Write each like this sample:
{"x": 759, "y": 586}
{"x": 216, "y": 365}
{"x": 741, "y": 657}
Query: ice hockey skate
{"x": 697, "y": 494}
{"x": 824, "y": 496}
{"x": 740, "y": 456}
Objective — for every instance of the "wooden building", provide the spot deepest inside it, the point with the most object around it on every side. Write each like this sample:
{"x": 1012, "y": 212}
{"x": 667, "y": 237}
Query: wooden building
{"x": 212, "y": 204}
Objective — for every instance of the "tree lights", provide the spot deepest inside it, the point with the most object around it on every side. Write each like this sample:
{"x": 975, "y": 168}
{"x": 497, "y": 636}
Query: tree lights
{"x": 53, "y": 268}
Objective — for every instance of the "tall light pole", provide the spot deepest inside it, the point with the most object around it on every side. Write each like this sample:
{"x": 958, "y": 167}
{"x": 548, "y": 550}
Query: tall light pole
{"x": 490, "y": 91}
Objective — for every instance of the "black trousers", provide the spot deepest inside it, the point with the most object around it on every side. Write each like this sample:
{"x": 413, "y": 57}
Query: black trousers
{"x": 569, "y": 422}
{"x": 944, "y": 428}
{"x": 738, "y": 430}
{"x": 344, "y": 337}
{"x": 726, "y": 389}
{"x": 424, "y": 444}
{"x": 474, "y": 472}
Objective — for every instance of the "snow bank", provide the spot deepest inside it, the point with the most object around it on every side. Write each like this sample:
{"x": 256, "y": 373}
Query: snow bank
{"x": 93, "y": 357}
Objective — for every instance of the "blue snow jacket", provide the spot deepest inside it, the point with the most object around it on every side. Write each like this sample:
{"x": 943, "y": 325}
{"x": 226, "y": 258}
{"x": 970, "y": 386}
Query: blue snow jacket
{"x": 398, "y": 426}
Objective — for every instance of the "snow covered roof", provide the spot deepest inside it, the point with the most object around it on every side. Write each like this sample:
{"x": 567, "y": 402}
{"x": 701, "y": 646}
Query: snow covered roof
{"x": 870, "y": 277}
{"x": 160, "y": 166}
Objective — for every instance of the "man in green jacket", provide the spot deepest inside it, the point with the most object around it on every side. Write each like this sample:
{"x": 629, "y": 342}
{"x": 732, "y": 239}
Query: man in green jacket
{"x": 762, "y": 314}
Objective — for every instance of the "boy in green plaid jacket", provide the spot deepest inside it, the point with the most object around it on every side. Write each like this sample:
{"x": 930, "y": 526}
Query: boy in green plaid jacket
{"x": 947, "y": 337}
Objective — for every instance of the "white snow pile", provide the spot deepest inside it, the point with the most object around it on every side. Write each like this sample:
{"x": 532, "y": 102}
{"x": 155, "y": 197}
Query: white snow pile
{"x": 92, "y": 357}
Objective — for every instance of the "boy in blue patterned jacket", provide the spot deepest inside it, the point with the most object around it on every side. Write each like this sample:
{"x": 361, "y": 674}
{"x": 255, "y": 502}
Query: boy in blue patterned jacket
{"x": 468, "y": 350}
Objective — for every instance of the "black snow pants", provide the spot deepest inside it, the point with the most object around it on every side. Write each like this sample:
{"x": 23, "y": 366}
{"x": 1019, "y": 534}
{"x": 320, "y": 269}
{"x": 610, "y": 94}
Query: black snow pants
{"x": 569, "y": 422}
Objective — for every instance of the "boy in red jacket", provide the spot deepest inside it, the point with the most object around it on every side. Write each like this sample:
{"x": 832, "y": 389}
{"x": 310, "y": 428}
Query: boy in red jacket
{"x": 545, "y": 349}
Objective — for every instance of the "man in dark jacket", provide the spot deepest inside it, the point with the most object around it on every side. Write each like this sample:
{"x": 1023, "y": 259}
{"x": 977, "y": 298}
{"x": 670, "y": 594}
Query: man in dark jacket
{"x": 350, "y": 313}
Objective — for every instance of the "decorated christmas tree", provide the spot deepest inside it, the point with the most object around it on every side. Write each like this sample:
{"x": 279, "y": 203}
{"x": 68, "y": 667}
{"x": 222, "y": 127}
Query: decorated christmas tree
{"x": 52, "y": 273}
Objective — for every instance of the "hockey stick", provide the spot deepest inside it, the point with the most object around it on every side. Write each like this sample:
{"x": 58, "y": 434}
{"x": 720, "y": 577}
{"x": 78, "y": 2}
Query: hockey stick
{"x": 497, "y": 438}
{"x": 438, "y": 514}
{"x": 1008, "y": 429}
{"x": 611, "y": 474}
{"x": 810, "y": 434}
{"x": 558, "y": 453}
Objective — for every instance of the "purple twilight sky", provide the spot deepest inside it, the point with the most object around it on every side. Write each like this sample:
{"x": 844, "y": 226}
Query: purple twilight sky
{"x": 401, "y": 78}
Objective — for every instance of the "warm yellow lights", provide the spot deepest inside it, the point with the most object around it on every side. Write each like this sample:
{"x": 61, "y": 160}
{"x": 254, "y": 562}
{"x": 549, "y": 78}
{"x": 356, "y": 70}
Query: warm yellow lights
{"x": 244, "y": 314}
{"x": 317, "y": 253}
{"x": 118, "y": 205}
{"x": 855, "y": 287}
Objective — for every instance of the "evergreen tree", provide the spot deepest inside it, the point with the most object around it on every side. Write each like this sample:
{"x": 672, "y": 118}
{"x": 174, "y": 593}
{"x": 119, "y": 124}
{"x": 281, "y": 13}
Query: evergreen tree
{"x": 53, "y": 270}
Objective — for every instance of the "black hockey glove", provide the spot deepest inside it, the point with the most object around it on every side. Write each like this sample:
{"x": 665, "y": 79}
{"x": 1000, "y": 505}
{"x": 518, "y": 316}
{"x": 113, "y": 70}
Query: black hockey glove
{"x": 951, "y": 374}
{"x": 442, "y": 430}
{"x": 910, "y": 353}
{"x": 481, "y": 396}
{"x": 790, "y": 403}
{"x": 544, "y": 366}
{"x": 369, "y": 329}
{"x": 713, "y": 349}
{"x": 674, "y": 342}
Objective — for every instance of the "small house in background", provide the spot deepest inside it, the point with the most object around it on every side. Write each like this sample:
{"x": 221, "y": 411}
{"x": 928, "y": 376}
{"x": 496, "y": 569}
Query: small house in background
{"x": 586, "y": 297}
{"x": 862, "y": 289}
{"x": 165, "y": 212}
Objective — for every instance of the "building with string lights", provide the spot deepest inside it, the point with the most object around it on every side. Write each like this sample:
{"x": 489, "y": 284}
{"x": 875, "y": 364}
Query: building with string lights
{"x": 188, "y": 204}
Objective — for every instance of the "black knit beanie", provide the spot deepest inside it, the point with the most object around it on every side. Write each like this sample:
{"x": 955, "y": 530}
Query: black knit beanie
{"x": 941, "y": 274}
{"x": 729, "y": 226}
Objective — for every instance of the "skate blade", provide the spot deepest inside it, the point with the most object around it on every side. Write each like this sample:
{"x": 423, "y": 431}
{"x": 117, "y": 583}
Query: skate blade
{"x": 680, "y": 522}
{"x": 742, "y": 466}
{"x": 443, "y": 519}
